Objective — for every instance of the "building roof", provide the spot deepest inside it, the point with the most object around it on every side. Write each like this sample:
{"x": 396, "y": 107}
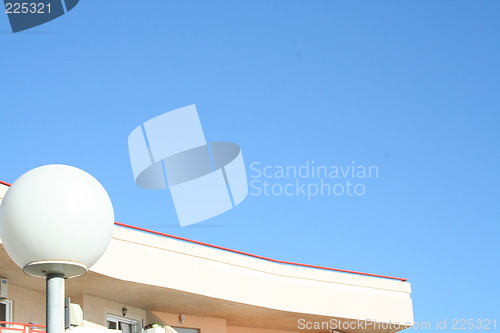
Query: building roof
{"x": 174, "y": 275}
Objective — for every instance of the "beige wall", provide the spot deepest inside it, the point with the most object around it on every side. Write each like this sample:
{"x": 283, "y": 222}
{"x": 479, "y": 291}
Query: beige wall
{"x": 237, "y": 329}
{"x": 205, "y": 324}
{"x": 96, "y": 309}
{"x": 28, "y": 306}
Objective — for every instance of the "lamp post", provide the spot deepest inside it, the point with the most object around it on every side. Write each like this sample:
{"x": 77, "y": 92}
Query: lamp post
{"x": 56, "y": 221}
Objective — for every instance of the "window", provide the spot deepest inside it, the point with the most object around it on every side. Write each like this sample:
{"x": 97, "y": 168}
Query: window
{"x": 5, "y": 311}
{"x": 186, "y": 330}
{"x": 124, "y": 324}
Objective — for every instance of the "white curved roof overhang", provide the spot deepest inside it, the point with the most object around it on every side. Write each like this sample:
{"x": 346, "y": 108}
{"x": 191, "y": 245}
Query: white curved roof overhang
{"x": 167, "y": 275}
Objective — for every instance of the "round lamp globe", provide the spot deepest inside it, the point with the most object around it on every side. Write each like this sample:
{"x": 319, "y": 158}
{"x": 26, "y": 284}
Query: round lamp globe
{"x": 56, "y": 219}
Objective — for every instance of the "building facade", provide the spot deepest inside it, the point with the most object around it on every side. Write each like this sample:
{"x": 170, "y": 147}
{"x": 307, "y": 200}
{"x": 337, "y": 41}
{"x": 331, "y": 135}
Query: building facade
{"x": 146, "y": 277}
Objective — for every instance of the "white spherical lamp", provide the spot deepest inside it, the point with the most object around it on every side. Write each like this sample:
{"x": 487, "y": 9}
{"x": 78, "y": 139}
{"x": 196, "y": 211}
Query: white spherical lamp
{"x": 56, "y": 219}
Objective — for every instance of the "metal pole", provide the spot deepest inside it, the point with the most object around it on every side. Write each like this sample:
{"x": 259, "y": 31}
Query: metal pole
{"x": 55, "y": 303}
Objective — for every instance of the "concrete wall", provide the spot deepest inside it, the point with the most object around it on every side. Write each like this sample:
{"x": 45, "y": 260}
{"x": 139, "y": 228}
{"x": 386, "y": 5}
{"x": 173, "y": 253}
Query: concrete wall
{"x": 205, "y": 324}
{"x": 27, "y": 305}
{"x": 237, "y": 329}
{"x": 222, "y": 275}
{"x": 95, "y": 310}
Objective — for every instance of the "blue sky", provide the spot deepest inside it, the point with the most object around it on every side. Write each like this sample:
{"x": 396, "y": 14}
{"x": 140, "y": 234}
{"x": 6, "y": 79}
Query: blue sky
{"x": 410, "y": 87}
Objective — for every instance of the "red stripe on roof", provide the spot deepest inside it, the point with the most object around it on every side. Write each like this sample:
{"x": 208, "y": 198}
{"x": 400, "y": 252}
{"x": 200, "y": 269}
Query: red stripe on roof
{"x": 248, "y": 254}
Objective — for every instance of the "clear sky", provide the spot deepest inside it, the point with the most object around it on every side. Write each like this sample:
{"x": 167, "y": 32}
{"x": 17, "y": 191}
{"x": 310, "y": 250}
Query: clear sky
{"x": 410, "y": 87}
